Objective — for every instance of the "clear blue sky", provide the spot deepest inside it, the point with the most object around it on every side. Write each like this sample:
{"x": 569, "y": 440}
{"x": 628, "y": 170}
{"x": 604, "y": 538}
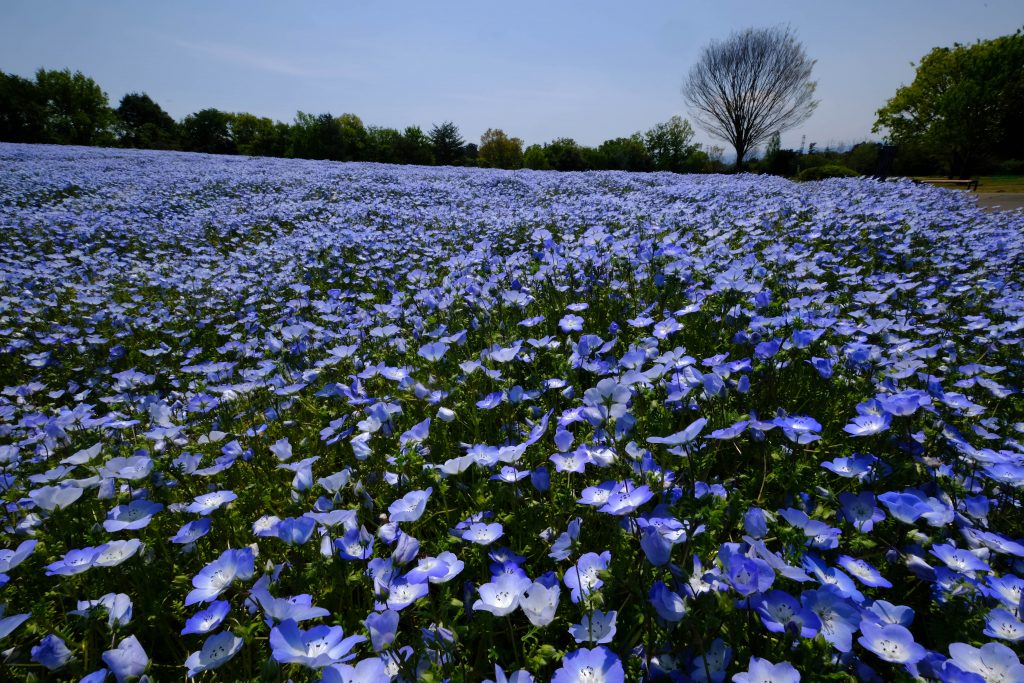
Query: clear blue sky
{"x": 539, "y": 70}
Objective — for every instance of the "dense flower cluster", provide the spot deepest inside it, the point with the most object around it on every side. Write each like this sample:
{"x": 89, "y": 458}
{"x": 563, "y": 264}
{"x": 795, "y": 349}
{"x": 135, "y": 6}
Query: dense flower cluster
{"x": 349, "y": 422}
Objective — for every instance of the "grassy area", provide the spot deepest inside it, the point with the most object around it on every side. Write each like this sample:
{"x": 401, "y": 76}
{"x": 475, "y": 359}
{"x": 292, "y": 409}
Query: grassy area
{"x": 993, "y": 183}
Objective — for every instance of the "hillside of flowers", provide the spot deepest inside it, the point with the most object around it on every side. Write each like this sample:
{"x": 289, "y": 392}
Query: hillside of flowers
{"x": 286, "y": 420}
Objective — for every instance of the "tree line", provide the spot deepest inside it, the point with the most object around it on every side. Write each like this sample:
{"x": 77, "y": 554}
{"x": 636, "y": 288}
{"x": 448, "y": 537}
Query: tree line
{"x": 61, "y": 107}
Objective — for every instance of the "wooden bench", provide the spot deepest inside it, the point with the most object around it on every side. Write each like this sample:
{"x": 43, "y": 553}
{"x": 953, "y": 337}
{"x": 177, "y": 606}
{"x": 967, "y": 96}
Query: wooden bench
{"x": 971, "y": 184}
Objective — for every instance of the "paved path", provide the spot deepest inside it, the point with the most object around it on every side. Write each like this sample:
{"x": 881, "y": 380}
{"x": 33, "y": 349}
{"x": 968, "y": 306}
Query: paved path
{"x": 993, "y": 201}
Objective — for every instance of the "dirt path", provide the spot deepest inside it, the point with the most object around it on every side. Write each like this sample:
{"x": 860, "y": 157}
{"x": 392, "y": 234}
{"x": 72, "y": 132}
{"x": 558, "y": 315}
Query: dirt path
{"x": 995, "y": 201}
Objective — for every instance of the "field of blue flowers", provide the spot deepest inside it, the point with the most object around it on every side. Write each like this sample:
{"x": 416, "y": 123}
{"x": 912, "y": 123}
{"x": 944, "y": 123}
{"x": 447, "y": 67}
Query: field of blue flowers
{"x": 288, "y": 420}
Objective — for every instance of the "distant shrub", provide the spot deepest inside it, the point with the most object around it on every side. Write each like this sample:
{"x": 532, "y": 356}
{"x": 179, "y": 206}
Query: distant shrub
{"x": 827, "y": 171}
{"x": 1010, "y": 167}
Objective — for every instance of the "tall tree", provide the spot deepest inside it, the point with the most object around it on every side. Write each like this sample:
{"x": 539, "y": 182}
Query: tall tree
{"x": 143, "y": 123}
{"x": 564, "y": 154}
{"x": 22, "y": 110}
{"x": 413, "y": 147}
{"x": 208, "y": 130}
{"x": 498, "y": 150}
{"x": 626, "y": 154}
{"x": 447, "y": 143}
{"x": 754, "y": 83}
{"x": 76, "y": 110}
{"x": 965, "y": 102}
{"x": 670, "y": 145}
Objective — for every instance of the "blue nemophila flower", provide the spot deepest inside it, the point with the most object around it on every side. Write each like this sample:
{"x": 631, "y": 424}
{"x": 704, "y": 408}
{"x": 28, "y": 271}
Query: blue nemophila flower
{"x": 669, "y": 605}
{"x": 596, "y": 627}
{"x": 9, "y": 559}
{"x": 128, "y": 660}
{"x": 51, "y": 652}
{"x": 282, "y": 449}
{"x": 748, "y": 575}
{"x": 434, "y": 351}
{"x": 540, "y": 602}
{"x": 136, "y": 515}
{"x": 208, "y": 503}
{"x": 298, "y": 608}
{"x": 866, "y": 425}
{"x": 401, "y": 592}
{"x": 118, "y": 606}
{"x": 574, "y": 461}
{"x": 838, "y": 616}
{"x": 1001, "y": 624}
{"x": 501, "y": 596}
{"x": 303, "y": 469}
{"x": 409, "y": 507}
{"x": 218, "y": 649}
{"x": 571, "y": 323}
{"x": 626, "y": 498}
{"x": 52, "y": 498}
{"x": 8, "y": 624}
{"x": 799, "y": 429}
{"x": 216, "y": 577}
{"x": 295, "y": 530}
{"x": 480, "y": 533}
{"x": 755, "y": 522}
{"x": 885, "y": 612}
{"x": 855, "y": 466}
{"x": 711, "y": 666}
{"x": 207, "y": 620}
{"x": 599, "y": 665}
{"x": 520, "y": 676}
{"x": 759, "y": 670}
{"x": 859, "y": 510}
{"x": 781, "y": 613}
{"x": 383, "y": 628}
{"x": 132, "y": 468}
{"x": 863, "y": 572}
{"x": 962, "y": 561}
{"x": 190, "y": 532}
{"x": 315, "y": 648}
{"x": 441, "y": 569}
{"x": 356, "y": 544}
{"x": 370, "y": 670}
{"x": 74, "y": 562}
{"x": 992, "y": 661}
{"x": 583, "y": 578}
{"x": 891, "y": 643}
{"x": 683, "y": 437}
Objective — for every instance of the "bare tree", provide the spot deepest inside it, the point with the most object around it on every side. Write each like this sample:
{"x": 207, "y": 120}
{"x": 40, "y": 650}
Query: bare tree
{"x": 755, "y": 83}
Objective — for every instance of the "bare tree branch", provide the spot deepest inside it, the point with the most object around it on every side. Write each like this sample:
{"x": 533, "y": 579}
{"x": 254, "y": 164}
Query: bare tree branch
{"x": 755, "y": 83}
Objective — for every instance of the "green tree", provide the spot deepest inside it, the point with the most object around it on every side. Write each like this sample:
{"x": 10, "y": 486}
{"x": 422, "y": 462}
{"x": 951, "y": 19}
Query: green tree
{"x": 382, "y": 144}
{"x": 414, "y": 147}
{"x": 564, "y": 154}
{"x": 258, "y": 136}
{"x": 76, "y": 110}
{"x": 447, "y": 143}
{"x": 756, "y": 82}
{"x": 22, "y": 110}
{"x": 965, "y": 103}
{"x": 353, "y": 138}
{"x": 625, "y": 154}
{"x": 535, "y": 158}
{"x": 671, "y": 145}
{"x": 498, "y": 150}
{"x": 208, "y": 130}
{"x": 143, "y": 123}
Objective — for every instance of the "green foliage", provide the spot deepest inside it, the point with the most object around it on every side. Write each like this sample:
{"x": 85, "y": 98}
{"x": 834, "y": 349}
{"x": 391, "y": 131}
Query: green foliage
{"x": 258, "y": 136}
{"x": 382, "y": 144}
{"x": 670, "y": 145}
{"x": 207, "y": 131}
{"x": 535, "y": 158}
{"x": 625, "y": 154}
{"x": 75, "y": 108}
{"x": 965, "y": 103}
{"x": 415, "y": 147}
{"x": 22, "y": 110}
{"x": 498, "y": 150}
{"x": 826, "y": 171}
{"x": 143, "y": 123}
{"x": 564, "y": 154}
{"x": 447, "y": 143}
